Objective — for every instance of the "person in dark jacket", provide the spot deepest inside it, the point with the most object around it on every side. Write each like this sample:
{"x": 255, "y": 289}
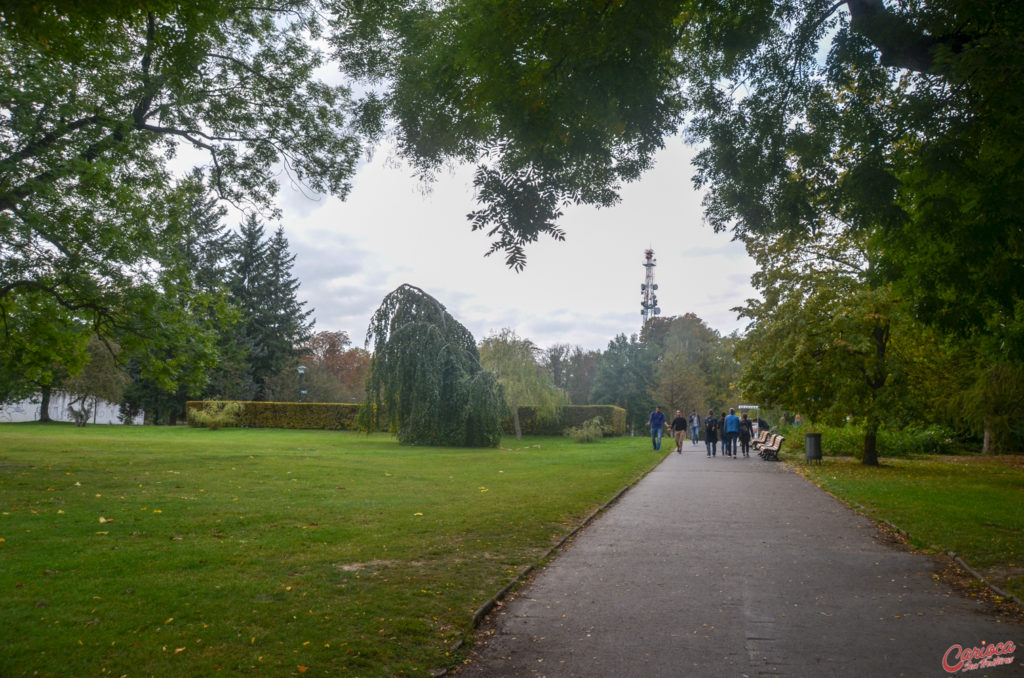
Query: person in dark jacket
{"x": 679, "y": 425}
{"x": 711, "y": 433}
{"x": 746, "y": 433}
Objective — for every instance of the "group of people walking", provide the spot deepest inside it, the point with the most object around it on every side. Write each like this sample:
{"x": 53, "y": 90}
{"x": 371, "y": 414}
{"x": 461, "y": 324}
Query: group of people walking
{"x": 734, "y": 432}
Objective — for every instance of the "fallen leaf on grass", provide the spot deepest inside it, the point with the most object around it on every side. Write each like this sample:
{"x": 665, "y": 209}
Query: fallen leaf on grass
{"x": 106, "y": 520}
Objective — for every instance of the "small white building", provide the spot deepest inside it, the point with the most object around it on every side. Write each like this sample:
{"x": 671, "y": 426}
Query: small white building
{"x": 103, "y": 412}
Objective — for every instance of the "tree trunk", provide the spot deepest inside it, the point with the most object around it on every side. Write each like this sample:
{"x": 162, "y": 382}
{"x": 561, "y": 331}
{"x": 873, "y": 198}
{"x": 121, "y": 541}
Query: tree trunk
{"x": 515, "y": 423}
{"x": 870, "y": 444}
{"x": 44, "y": 404}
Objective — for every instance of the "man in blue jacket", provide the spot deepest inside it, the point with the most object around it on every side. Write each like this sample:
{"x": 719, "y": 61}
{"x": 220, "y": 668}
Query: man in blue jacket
{"x": 732, "y": 432}
{"x": 657, "y": 423}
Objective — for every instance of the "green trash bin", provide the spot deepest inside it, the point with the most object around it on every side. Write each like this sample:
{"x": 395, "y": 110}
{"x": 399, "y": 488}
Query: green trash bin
{"x": 813, "y": 446}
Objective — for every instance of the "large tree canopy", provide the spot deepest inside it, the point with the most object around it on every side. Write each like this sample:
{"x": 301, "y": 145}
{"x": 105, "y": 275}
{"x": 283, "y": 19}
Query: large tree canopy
{"x": 425, "y": 377}
{"x": 97, "y": 99}
{"x": 900, "y": 118}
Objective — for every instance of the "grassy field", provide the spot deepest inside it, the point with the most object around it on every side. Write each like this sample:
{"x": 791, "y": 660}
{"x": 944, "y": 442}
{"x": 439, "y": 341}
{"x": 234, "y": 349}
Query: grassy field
{"x": 130, "y": 551}
{"x": 972, "y": 505}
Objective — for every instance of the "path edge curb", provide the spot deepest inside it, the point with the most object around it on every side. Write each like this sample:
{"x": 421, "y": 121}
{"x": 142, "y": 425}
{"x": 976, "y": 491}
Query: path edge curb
{"x": 906, "y": 535}
{"x": 485, "y": 609}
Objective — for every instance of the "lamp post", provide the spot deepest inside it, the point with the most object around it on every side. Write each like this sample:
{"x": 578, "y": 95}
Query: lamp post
{"x": 302, "y": 373}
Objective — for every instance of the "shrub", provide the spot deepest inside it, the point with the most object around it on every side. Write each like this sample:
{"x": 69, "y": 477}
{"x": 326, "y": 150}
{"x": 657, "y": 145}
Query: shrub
{"x": 587, "y": 432}
{"x": 569, "y": 416}
{"x": 215, "y": 414}
{"x": 848, "y": 441}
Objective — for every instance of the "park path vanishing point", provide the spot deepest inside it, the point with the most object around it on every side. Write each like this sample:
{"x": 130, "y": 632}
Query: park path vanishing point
{"x": 734, "y": 567}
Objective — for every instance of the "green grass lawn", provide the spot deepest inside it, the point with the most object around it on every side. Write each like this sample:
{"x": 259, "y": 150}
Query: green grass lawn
{"x": 146, "y": 551}
{"x": 972, "y": 505}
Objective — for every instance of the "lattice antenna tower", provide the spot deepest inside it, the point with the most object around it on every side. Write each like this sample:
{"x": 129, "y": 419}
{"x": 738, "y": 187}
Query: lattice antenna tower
{"x": 649, "y": 305}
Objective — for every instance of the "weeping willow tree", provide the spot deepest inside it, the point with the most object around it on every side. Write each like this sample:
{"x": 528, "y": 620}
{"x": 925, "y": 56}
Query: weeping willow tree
{"x": 425, "y": 377}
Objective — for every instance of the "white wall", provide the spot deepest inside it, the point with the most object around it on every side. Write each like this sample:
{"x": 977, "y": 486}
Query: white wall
{"x": 28, "y": 410}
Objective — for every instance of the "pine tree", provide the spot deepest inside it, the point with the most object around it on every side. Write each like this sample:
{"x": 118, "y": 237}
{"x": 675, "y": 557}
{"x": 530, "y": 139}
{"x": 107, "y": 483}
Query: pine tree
{"x": 274, "y": 322}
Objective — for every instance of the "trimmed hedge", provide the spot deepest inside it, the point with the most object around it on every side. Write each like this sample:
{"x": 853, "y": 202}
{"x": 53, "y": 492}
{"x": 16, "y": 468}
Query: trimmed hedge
{"x": 568, "y": 416}
{"x": 342, "y": 417}
{"x": 329, "y": 416}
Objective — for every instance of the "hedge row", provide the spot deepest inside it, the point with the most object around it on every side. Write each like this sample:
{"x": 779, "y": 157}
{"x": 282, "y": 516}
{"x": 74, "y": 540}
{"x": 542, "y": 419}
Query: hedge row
{"x": 342, "y": 417}
{"x": 329, "y": 416}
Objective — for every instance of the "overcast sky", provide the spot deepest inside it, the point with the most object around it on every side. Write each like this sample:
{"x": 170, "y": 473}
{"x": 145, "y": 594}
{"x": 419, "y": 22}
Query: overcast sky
{"x": 583, "y": 291}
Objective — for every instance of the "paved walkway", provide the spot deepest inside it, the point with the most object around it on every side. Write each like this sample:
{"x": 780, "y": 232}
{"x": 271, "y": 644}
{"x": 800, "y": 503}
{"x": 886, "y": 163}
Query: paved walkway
{"x": 734, "y": 567}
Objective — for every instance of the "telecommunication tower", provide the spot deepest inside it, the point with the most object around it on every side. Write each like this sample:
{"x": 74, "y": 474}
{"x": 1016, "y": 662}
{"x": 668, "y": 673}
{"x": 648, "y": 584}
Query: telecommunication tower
{"x": 648, "y": 289}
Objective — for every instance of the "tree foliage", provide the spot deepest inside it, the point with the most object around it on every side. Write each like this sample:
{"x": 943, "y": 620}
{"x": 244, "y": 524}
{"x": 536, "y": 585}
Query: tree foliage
{"x": 572, "y": 369}
{"x": 274, "y": 323}
{"x": 513, "y": 361}
{"x": 101, "y": 378}
{"x": 828, "y": 343}
{"x": 625, "y": 376}
{"x": 97, "y": 99}
{"x": 426, "y": 378}
{"x": 888, "y": 116}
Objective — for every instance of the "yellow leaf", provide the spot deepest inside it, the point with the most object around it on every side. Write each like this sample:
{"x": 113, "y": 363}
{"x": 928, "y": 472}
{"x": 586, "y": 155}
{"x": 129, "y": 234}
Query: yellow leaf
{"x": 178, "y": 649}
{"x": 169, "y": 620}
{"x": 106, "y": 520}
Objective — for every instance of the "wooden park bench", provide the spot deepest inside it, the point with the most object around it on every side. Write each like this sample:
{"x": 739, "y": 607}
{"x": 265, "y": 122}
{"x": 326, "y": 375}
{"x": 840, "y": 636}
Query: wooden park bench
{"x": 761, "y": 439}
{"x": 770, "y": 451}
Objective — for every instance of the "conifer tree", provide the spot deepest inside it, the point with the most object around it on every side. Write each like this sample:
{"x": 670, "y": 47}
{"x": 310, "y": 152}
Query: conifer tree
{"x": 274, "y": 322}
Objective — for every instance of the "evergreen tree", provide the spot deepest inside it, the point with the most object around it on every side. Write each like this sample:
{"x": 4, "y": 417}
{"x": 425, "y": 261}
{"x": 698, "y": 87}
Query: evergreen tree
{"x": 273, "y": 323}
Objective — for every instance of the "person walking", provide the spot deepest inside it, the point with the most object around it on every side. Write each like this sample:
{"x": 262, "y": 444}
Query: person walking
{"x": 657, "y": 423}
{"x": 721, "y": 435}
{"x": 711, "y": 433}
{"x": 746, "y": 433}
{"x": 695, "y": 427}
{"x": 732, "y": 432}
{"x": 679, "y": 425}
